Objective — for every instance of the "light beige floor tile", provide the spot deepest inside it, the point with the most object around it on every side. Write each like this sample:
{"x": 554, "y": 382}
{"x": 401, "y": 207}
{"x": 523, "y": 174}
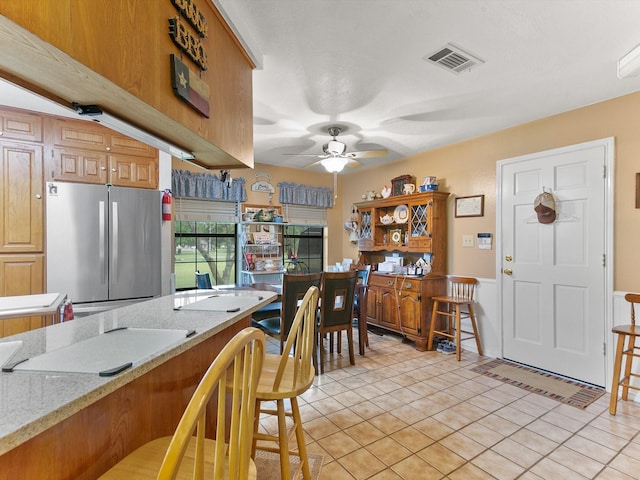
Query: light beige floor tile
{"x": 575, "y": 461}
{"x": 517, "y": 453}
{"x": 548, "y": 469}
{"x": 603, "y": 438}
{"x": 338, "y": 444}
{"x": 613, "y": 474}
{"x": 481, "y": 434}
{"x": 591, "y": 449}
{"x": 334, "y": 471}
{"x": 414, "y": 467}
{"x": 365, "y": 433}
{"x": 367, "y": 410}
{"x": 442, "y": 458}
{"x": 552, "y": 432}
{"x": 387, "y": 423}
{"x": 362, "y": 464}
{"x": 626, "y": 464}
{"x": 463, "y": 445}
{"x": 470, "y": 472}
{"x": 498, "y": 424}
{"x": 433, "y": 428}
{"x": 497, "y": 465}
{"x": 535, "y": 442}
{"x": 319, "y": 428}
{"x": 344, "y": 418}
{"x": 388, "y": 450}
{"x": 412, "y": 439}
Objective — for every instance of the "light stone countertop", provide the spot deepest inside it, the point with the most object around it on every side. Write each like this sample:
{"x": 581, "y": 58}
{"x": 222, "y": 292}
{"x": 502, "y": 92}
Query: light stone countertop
{"x": 31, "y": 402}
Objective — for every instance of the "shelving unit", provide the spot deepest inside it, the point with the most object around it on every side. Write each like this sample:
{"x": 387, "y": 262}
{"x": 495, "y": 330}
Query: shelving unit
{"x": 419, "y": 220}
{"x": 262, "y": 259}
{"x": 401, "y": 303}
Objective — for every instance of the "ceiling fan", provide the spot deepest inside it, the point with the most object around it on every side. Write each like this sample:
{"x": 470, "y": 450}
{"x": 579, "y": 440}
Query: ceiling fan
{"x": 335, "y": 156}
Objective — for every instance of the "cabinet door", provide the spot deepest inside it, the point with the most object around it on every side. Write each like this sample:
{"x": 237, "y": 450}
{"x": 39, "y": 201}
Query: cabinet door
{"x": 21, "y": 275}
{"x": 80, "y": 134}
{"x": 123, "y": 145}
{"x": 79, "y": 166}
{"x": 365, "y": 237}
{"x": 20, "y": 126}
{"x": 21, "y": 201}
{"x": 410, "y": 309}
{"x": 388, "y": 308}
{"x": 140, "y": 172}
{"x": 372, "y": 304}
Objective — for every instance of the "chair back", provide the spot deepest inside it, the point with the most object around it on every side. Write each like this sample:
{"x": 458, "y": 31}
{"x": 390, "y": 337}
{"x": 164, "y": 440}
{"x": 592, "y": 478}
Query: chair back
{"x": 236, "y": 393}
{"x": 203, "y": 281}
{"x": 299, "y": 347}
{"x": 632, "y": 298}
{"x": 363, "y": 273}
{"x": 294, "y": 288}
{"x": 337, "y": 292}
{"x": 463, "y": 288}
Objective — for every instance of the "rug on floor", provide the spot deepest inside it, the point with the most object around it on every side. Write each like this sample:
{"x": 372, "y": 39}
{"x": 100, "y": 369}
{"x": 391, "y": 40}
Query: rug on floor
{"x": 567, "y": 391}
{"x": 268, "y": 465}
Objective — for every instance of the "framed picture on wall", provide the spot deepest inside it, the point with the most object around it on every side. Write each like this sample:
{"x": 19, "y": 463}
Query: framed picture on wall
{"x": 470, "y": 206}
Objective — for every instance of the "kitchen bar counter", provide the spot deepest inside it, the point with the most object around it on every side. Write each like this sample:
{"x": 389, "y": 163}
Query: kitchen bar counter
{"x": 46, "y": 411}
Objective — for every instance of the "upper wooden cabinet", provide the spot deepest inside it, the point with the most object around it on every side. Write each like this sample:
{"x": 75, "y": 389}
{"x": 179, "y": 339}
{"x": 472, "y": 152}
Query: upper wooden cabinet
{"x": 415, "y": 224}
{"x": 91, "y": 136}
{"x": 20, "y": 125}
{"x": 89, "y": 153}
{"x": 22, "y": 199}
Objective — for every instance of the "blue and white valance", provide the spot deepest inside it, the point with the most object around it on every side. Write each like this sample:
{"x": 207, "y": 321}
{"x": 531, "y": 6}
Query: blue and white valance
{"x": 185, "y": 184}
{"x": 295, "y": 193}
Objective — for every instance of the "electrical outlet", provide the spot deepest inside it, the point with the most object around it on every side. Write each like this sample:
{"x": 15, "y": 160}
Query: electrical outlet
{"x": 467, "y": 240}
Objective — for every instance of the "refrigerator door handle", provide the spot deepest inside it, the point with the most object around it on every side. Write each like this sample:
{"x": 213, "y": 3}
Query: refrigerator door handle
{"x": 101, "y": 244}
{"x": 114, "y": 242}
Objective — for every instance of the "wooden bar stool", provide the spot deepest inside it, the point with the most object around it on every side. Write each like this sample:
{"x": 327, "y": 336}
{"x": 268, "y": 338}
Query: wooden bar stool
{"x": 450, "y": 307}
{"x": 628, "y": 332}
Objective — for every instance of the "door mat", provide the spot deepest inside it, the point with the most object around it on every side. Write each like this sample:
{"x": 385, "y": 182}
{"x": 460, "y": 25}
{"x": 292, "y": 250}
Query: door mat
{"x": 567, "y": 391}
{"x": 268, "y": 465}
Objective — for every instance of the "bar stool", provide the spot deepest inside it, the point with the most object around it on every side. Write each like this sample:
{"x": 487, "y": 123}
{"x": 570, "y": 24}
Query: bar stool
{"x": 462, "y": 290}
{"x": 629, "y": 332}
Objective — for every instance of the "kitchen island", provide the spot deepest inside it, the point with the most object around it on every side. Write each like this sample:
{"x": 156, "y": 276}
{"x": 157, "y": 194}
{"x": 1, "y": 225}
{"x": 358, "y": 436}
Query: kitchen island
{"x": 73, "y": 425}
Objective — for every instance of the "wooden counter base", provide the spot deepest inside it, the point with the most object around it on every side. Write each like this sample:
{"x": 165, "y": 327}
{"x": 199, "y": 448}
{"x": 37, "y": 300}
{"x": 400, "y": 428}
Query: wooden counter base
{"x": 86, "y": 444}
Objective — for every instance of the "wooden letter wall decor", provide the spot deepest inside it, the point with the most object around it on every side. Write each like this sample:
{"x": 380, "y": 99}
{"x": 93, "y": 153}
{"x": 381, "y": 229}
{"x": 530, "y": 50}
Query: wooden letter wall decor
{"x": 192, "y": 13}
{"x": 187, "y": 42}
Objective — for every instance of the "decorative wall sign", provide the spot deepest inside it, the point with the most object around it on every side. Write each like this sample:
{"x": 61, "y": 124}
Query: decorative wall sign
{"x": 263, "y": 185}
{"x": 187, "y": 42}
{"x": 470, "y": 206}
{"x": 188, "y": 86}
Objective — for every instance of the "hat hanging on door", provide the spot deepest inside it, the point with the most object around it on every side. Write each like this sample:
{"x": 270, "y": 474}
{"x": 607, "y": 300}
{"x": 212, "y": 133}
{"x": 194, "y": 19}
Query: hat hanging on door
{"x": 545, "y": 207}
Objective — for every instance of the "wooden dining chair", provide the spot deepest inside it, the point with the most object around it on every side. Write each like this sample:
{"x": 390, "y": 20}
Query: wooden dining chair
{"x": 627, "y": 333}
{"x": 282, "y": 379}
{"x": 233, "y": 377}
{"x": 336, "y": 311}
{"x": 278, "y": 324}
{"x": 455, "y": 307}
{"x": 360, "y": 305}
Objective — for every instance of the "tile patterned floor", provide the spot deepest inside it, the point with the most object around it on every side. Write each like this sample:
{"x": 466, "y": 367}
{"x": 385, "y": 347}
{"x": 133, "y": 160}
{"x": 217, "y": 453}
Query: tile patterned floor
{"x": 403, "y": 414}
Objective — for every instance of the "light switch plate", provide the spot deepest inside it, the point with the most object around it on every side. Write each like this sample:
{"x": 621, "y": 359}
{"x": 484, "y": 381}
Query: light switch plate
{"x": 467, "y": 240}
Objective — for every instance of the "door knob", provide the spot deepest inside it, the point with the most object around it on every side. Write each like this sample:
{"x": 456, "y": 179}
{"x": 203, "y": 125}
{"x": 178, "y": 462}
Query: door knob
{"x": 507, "y": 271}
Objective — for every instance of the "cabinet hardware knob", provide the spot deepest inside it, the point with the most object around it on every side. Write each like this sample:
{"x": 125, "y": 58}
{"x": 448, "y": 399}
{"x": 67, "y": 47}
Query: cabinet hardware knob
{"x": 389, "y": 282}
{"x": 113, "y": 169}
{"x": 108, "y": 149}
{"x": 409, "y": 285}
{"x": 38, "y": 196}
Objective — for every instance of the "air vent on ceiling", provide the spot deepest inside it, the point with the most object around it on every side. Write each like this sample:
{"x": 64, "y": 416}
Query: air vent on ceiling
{"x": 453, "y": 58}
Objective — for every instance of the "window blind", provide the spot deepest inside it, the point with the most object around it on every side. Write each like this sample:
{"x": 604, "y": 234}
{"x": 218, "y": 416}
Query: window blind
{"x": 189, "y": 209}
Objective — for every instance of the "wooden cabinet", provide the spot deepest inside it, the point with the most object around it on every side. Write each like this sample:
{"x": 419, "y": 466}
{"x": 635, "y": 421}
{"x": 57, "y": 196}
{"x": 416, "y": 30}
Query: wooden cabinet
{"x": 21, "y": 274}
{"x": 22, "y": 199}
{"x": 403, "y": 304}
{"x": 20, "y": 125}
{"x": 89, "y": 153}
{"x": 415, "y": 224}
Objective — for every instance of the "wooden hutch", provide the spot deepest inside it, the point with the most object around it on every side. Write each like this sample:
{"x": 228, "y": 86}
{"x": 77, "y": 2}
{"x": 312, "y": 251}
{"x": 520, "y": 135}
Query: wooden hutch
{"x": 414, "y": 225}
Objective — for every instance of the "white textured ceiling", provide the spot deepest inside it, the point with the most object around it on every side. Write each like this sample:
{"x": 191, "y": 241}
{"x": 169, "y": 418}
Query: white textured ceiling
{"x": 358, "y": 64}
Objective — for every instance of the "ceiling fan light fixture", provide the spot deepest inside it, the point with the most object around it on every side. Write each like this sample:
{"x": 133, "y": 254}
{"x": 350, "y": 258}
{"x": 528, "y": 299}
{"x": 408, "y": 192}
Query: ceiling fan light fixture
{"x": 334, "y": 164}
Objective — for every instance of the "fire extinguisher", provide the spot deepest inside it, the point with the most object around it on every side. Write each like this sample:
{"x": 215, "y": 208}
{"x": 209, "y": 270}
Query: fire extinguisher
{"x": 166, "y": 205}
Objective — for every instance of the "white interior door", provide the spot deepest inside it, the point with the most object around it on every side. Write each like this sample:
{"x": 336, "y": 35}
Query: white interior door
{"x": 553, "y": 276}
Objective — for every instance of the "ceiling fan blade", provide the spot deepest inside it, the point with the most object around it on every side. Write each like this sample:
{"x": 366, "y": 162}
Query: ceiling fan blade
{"x": 353, "y": 163}
{"x": 306, "y": 155}
{"x": 368, "y": 153}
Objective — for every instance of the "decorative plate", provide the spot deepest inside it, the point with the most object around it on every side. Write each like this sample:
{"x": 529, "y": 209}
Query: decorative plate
{"x": 401, "y": 214}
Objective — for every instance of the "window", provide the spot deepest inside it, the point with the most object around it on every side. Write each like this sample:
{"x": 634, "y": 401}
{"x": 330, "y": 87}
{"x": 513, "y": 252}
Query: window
{"x": 303, "y": 248}
{"x": 209, "y": 247}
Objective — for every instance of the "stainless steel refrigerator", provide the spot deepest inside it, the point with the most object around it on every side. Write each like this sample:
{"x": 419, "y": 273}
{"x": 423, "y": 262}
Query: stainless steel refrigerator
{"x": 103, "y": 242}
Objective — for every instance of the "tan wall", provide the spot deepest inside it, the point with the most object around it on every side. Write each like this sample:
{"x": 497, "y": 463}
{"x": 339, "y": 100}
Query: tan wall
{"x": 469, "y": 168}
